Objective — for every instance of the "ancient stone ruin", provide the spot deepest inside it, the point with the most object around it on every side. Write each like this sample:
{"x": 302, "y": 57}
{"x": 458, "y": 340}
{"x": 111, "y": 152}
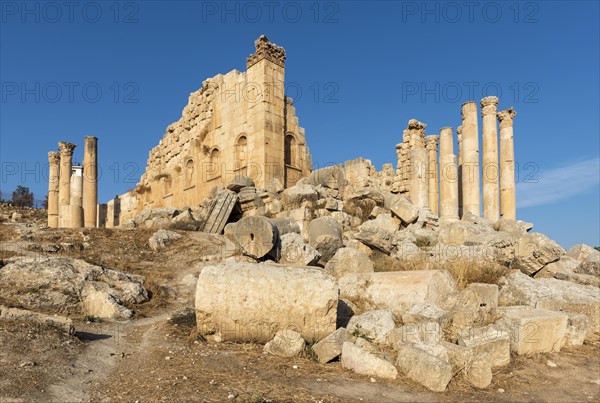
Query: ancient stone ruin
{"x": 420, "y": 270}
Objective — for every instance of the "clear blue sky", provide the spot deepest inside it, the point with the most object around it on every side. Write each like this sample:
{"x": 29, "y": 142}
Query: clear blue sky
{"x": 358, "y": 71}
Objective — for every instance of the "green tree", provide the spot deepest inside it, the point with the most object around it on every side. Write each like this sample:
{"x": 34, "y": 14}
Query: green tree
{"x": 22, "y": 197}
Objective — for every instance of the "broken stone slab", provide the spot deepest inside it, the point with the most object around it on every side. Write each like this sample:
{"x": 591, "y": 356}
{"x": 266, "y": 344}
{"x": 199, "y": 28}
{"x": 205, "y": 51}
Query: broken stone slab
{"x": 285, "y": 226}
{"x": 492, "y": 339}
{"x": 349, "y": 261}
{"x": 251, "y": 302}
{"x": 362, "y": 202}
{"x": 475, "y": 306}
{"x": 161, "y": 238}
{"x": 295, "y": 252}
{"x": 534, "y": 330}
{"x": 590, "y": 265}
{"x": 296, "y": 196}
{"x": 372, "y": 325}
{"x": 399, "y": 291}
{"x": 325, "y": 235}
{"x": 286, "y": 343}
{"x": 534, "y": 251}
{"x": 475, "y": 367}
{"x": 356, "y": 244}
{"x": 510, "y": 225}
{"x": 363, "y": 362}
{"x": 275, "y": 186}
{"x": 155, "y": 218}
{"x": 563, "y": 266}
{"x": 185, "y": 221}
{"x": 239, "y": 182}
{"x": 330, "y": 347}
{"x": 378, "y": 233}
{"x": 551, "y": 294}
{"x": 403, "y": 209}
{"x": 60, "y": 322}
{"x": 256, "y": 235}
{"x": 577, "y": 329}
{"x": 424, "y": 368}
{"x": 221, "y": 207}
{"x": 461, "y": 232}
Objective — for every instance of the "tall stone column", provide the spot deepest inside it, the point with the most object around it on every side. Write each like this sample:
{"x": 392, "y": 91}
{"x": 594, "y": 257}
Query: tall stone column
{"x": 90, "y": 181}
{"x": 76, "y": 203}
{"x": 431, "y": 144}
{"x": 470, "y": 163}
{"x": 448, "y": 177}
{"x": 418, "y": 181}
{"x": 489, "y": 134}
{"x": 64, "y": 189}
{"x": 53, "y": 183}
{"x": 459, "y": 170}
{"x": 508, "y": 196}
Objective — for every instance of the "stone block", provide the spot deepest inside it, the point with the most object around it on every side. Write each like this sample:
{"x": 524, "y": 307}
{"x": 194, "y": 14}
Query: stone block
{"x": 424, "y": 368}
{"x": 349, "y": 261}
{"x": 363, "y": 362}
{"x": 330, "y": 347}
{"x": 490, "y": 339}
{"x": 286, "y": 343}
{"x": 374, "y": 325}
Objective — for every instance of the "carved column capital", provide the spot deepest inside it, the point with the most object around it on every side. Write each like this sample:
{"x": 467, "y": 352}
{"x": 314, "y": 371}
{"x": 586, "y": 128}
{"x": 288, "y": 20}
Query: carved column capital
{"x": 459, "y": 133}
{"x": 414, "y": 124}
{"x": 53, "y": 157}
{"x": 489, "y": 105}
{"x": 506, "y": 117}
{"x": 266, "y": 50}
{"x": 431, "y": 142}
{"x": 66, "y": 149}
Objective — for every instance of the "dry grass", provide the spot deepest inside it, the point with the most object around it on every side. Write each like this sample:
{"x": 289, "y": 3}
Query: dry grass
{"x": 464, "y": 271}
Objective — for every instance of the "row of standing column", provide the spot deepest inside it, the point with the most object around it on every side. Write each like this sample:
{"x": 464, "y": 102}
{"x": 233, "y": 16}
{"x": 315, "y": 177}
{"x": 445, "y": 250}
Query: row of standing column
{"x": 73, "y": 190}
{"x": 457, "y": 178}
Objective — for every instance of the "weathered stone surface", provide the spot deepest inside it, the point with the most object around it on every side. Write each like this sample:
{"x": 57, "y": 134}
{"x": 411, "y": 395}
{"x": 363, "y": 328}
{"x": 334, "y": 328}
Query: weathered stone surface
{"x": 286, "y": 343}
{"x": 403, "y": 209}
{"x": 363, "y": 362}
{"x": 59, "y": 322}
{"x": 479, "y": 371}
{"x": 534, "y": 251}
{"x": 256, "y": 235}
{"x": 332, "y": 177}
{"x": 245, "y": 301}
{"x": 590, "y": 265}
{"x": 295, "y": 196}
{"x": 185, "y": 221}
{"x": 461, "y": 232}
{"x": 476, "y": 306}
{"x": 552, "y": 294}
{"x": 161, "y": 238}
{"x": 419, "y": 313}
{"x": 325, "y": 235}
{"x": 69, "y": 286}
{"x": 510, "y": 225}
{"x": 420, "y": 333}
{"x": 330, "y": 347}
{"x": 275, "y": 186}
{"x": 374, "y": 325}
{"x": 577, "y": 329}
{"x": 295, "y": 252}
{"x": 534, "y": 330}
{"x": 378, "y": 233}
{"x": 398, "y": 291}
{"x": 156, "y": 218}
{"x": 285, "y": 225}
{"x": 581, "y": 251}
{"x": 490, "y": 339}
{"x": 349, "y": 261}
{"x": 563, "y": 266}
{"x": 239, "y": 182}
{"x": 424, "y": 368}
{"x": 356, "y": 244}
{"x": 362, "y": 202}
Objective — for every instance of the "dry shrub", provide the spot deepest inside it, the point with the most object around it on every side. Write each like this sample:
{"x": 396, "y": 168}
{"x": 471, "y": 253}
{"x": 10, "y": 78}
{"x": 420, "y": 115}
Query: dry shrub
{"x": 465, "y": 271}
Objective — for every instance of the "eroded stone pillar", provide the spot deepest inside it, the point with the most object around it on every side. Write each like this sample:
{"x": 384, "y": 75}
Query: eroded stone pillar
{"x": 431, "y": 144}
{"x": 418, "y": 160}
{"x": 508, "y": 197}
{"x": 53, "y": 184}
{"x": 76, "y": 202}
{"x": 489, "y": 134}
{"x": 459, "y": 170}
{"x": 470, "y": 161}
{"x": 64, "y": 188}
{"x": 448, "y": 177}
{"x": 90, "y": 181}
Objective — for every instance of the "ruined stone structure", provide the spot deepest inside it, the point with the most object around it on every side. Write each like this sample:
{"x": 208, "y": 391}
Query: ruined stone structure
{"x": 72, "y": 190}
{"x": 240, "y": 123}
{"x": 450, "y": 186}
